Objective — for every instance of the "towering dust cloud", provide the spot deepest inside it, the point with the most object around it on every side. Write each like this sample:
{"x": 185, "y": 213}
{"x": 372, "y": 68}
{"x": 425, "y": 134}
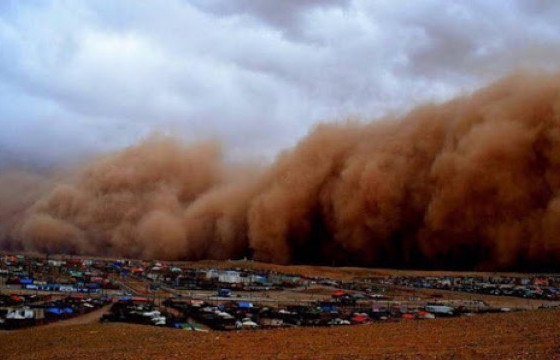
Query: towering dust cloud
{"x": 473, "y": 183}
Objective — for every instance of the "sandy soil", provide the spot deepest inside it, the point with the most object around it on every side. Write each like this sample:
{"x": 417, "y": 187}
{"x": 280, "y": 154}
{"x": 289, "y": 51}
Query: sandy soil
{"x": 526, "y": 335}
{"x": 521, "y": 335}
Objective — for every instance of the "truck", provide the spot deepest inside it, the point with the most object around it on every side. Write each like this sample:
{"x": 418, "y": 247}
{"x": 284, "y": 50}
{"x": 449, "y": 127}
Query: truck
{"x": 440, "y": 310}
{"x": 224, "y": 292}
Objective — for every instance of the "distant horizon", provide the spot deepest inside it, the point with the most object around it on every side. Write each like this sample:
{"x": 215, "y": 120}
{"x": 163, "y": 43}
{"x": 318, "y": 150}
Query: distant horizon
{"x": 459, "y": 272}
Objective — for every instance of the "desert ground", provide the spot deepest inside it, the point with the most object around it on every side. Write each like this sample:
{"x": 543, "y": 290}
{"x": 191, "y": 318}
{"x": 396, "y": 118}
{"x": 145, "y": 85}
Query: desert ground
{"x": 522, "y": 335}
{"x": 531, "y": 334}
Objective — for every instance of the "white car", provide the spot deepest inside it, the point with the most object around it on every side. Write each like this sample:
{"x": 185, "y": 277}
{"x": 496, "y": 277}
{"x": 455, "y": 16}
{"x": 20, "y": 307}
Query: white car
{"x": 249, "y": 324}
{"x": 338, "y": 321}
{"x": 151, "y": 314}
{"x": 224, "y": 315}
{"x": 159, "y": 320}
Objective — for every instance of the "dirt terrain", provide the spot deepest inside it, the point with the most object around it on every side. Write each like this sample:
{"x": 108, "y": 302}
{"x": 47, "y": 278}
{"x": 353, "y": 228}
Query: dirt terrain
{"x": 337, "y": 273}
{"x": 533, "y": 334}
{"x": 90, "y": 318}
{"x": 523, "y": 335}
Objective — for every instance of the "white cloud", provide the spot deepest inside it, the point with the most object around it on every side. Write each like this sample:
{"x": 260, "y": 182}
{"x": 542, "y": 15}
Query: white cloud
{"x": 79, "y": 76}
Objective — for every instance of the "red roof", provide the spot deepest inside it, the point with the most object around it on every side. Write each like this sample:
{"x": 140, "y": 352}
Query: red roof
{"x": 359, "y": 318}
{"x": 140, "y": 299}
{"x": 16, "y": 298}
{"x": 338, "y": 293}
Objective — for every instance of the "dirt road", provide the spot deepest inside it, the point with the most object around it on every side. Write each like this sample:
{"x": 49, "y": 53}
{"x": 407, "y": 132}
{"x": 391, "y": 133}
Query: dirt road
{"x": 88, "y": 318}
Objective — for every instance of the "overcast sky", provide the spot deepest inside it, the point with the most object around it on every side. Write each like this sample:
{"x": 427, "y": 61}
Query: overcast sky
{"x": 78, "y": 77}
